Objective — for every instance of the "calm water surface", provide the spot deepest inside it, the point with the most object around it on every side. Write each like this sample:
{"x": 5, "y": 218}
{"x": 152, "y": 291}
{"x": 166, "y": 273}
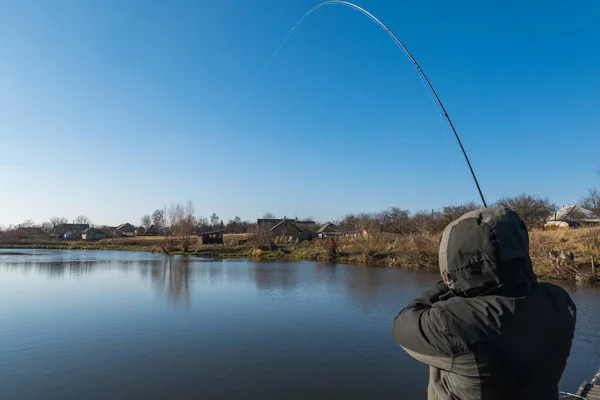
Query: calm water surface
{"x": 100, "y": 325}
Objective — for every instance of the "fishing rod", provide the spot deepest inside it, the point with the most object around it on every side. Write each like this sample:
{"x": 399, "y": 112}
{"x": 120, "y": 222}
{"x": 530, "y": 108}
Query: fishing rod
{"x": 444, "y": 113}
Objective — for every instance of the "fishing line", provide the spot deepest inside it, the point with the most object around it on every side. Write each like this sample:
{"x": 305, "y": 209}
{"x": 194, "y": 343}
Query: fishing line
{"x": 431, "y": 90}
{"x": 262, "y": 71}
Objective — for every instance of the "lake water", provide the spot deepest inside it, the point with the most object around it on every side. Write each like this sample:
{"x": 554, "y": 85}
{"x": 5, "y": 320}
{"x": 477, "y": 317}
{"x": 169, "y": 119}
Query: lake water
{"x": 121, "y": 325}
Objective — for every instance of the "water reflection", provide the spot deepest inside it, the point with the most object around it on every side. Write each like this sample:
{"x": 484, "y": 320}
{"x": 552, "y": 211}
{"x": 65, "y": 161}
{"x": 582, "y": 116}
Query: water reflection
{"x": 248, "y": 329}
{"x": 171, "y": 276}
{"x": 364, "y": 285}
{"x": 55, "y": 269}
{"x": 326, "y": 273}
{"x": 59, "y": 269}
{"x": 271, "y": 276}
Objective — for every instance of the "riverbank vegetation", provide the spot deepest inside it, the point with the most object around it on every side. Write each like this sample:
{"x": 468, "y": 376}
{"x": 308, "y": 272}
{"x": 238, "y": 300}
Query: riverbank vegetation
{"x": 568, "y": 254}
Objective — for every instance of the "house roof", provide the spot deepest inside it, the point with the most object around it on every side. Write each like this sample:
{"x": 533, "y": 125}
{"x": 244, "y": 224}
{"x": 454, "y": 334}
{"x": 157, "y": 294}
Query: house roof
{"x": 125, "y": 225}
{"x": 575, "y": 212}
{"x": 78, "y": 227}
{"x": 92, "y": 230}
{"x": 262, "y": 221}
{"x": 211, "y": 232}
{"x": 306, "y": 222}
{"x": 330, "y": 227}
{"x": 293, "y": 223}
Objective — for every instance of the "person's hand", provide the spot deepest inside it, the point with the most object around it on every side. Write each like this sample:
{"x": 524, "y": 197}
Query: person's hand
{"x": 439, "y": 292}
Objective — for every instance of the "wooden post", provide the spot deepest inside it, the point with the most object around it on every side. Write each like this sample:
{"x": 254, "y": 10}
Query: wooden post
{"x": 593, "y": 268}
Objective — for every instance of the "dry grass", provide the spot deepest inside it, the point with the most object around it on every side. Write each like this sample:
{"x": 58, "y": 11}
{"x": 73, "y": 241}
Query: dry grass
{"x": 560, "y": 254}
{"x": 415, "y": 251}
{"x": 145, "y": 238}
{"x": 565, "y": 254}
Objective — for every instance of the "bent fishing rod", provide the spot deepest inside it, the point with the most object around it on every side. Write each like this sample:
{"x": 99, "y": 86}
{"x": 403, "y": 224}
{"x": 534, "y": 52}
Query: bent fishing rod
{"x": 444, "y": 113}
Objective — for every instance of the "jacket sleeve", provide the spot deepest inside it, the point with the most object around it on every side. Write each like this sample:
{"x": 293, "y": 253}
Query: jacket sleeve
{"x": 422, "y": 330}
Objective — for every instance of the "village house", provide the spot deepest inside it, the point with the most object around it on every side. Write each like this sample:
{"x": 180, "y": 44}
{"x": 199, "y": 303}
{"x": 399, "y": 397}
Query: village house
{"x": 329, "y": 230}
{"x": 92, "y": 234}
{"x": 71, "y": 231}
{"x": 151, "y": 231}
{"x": 126, "y": 230}
{"x": 572, "y": 216}
{"x": 268, "y": 223}
{"x": 288, "y": 228}
{"x": 213, "y": 237}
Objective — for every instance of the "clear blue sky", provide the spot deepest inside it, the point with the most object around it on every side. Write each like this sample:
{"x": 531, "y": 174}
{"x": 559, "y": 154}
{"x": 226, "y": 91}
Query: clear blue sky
{"x": 112, "y": 109}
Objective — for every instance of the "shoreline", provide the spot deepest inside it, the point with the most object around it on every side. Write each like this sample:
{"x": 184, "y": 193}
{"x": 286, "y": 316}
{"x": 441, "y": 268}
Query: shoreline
{"x": 568, "y": 255}
{"x": 282, "y": 252}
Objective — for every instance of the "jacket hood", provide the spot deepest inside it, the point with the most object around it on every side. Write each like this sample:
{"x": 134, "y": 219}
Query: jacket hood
{"x": 486, "y": 250}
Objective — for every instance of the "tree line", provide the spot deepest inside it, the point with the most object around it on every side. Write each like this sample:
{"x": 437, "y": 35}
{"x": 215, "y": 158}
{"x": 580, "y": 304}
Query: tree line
{"x": 534, "y": 210}
{"x": 180, "y": 220}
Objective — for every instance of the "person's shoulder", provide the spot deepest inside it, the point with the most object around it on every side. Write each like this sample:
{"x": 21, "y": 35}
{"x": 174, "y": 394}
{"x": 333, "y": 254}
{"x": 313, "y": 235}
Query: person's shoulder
{"x": 458, "y": 307}
{"x": 474, "y": 319}
{"x": 552, "y": 288}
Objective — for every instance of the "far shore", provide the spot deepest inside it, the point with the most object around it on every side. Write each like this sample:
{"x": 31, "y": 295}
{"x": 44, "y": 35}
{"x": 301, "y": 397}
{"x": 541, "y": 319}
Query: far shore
{"x": 572, "y": 254}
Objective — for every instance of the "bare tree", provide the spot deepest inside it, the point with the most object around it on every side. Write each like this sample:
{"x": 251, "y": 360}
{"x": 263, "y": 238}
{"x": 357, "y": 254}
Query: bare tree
{"x": 533, "y": 210}
{"x": 146, "y": 221}
{"x": 202, "y": 224}
{"x": 55, "y": 224}
{"x": 349, "y": 224}
{"x": 395, "y": 220}
{"x": 181, "y": 220}
{"x": 159, "y": 220}
{"x": 47, "y": 227}
{"x": 188, "y": 223}
{"x": 262, "y": 237}
{"x": 236, "y": 225}
{"x": 427, "y": 222}
{"x": 214, "y": 220}
{"x": 592, "y": 201}
{"x": 26, "y": 224}
{"x": 269, "y": 215}
{"x": 451, "y": 213}
{"x": 82, "y": 219}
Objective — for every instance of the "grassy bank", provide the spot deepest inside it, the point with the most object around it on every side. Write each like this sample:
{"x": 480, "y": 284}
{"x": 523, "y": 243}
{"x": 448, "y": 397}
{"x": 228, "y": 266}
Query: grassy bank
{"x": 562, "y": 254}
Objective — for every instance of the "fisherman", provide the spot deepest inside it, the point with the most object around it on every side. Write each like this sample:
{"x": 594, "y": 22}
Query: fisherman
{"x": 489, "y": 330}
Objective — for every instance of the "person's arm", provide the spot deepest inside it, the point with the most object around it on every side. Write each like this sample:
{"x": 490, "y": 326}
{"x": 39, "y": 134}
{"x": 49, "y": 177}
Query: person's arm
{"x": 422, "y": 329}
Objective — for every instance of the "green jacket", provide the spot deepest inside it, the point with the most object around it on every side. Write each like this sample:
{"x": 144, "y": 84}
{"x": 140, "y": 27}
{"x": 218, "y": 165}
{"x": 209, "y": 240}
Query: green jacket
{"x": 491, "y": 331}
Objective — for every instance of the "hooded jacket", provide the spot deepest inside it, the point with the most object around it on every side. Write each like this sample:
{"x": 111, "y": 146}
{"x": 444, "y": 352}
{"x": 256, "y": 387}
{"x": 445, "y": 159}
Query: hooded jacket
{"x": 489, "y": 330}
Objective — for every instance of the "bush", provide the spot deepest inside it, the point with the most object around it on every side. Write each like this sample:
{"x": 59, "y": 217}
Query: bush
{"x": 420, "y": 251}
{"x": 565, "y": 254}
{"x": 326, "y": 249}
{"x": 257, "y": 253}
{"x": 261, "y": 238}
